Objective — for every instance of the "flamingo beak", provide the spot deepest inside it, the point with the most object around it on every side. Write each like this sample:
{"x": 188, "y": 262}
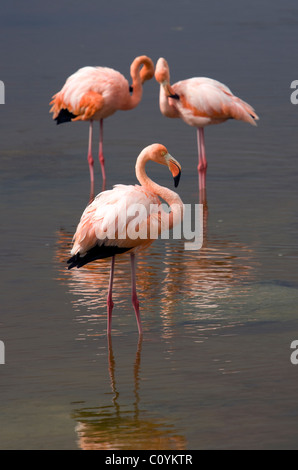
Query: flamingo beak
{"x": 170, "y": 92}
{"x": 175, "y": 169}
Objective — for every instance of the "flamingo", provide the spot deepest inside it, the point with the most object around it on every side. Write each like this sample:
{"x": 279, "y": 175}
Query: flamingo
{"x": 95, "y": 93}
{"x": 113, "y": 210}
{"x": 200, "y": 102}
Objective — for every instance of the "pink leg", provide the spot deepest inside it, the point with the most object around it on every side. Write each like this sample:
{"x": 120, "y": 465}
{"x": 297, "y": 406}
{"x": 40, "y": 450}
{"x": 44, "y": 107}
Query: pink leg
{"x": 100, "y": 155}
{"x": 202, "y": 166}
{"x": 201, "y": 149}
{"x": 110, "y": 302}
{"x": 91, "y": 162}
{"x": 202, "y": 180}
{"x": 134, "y": 297}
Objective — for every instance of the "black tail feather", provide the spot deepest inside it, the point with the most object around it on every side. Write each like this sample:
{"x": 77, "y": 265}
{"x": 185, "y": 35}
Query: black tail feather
{"x": 97, "y": 252}
{"x": 64, "y": 116}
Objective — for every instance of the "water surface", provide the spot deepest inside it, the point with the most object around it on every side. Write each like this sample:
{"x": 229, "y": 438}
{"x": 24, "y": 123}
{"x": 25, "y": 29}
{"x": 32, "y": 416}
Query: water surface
{"x": 213, "y": 369}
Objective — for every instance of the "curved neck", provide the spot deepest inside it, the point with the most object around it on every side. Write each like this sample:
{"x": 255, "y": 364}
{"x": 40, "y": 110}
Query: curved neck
{"x": 167, "y": 109}
{"x": 141, "y": 69}
{"x": 162, "y": 76}
{"x": 170, "y": 197}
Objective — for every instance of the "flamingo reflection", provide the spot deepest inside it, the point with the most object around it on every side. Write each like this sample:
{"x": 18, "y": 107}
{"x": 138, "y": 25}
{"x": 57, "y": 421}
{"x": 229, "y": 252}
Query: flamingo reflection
{"x": 124, "y": 427}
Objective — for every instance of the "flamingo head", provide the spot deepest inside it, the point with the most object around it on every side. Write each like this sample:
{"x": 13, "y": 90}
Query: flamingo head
{"x": 162, "y": 72}
{"x": 159, "y": 154}
{"x": 162, "y": 76}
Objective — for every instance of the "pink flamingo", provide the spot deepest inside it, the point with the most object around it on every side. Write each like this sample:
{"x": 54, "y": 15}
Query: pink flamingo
{"x": 94, "y": 93}
{"x": 108, "y": 227}
{"x": 200, "y": 102}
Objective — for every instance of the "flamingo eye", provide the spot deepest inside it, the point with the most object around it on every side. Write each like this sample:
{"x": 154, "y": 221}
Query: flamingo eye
{"x": 163, "y": 153}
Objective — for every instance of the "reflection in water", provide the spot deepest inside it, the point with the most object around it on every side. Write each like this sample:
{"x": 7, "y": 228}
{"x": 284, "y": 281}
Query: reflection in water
{"x": 117, "y": 427}
{"x": 90, "y": 283}
{"x": 197, "y": 283}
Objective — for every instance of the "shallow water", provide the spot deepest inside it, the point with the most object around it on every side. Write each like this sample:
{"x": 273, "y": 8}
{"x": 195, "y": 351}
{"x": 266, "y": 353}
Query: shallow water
{"x": 213, "y": 369}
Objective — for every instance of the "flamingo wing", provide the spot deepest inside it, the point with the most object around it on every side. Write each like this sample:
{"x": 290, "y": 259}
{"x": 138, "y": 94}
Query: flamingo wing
{"x": 90, "y": 93}
{"x": 102, "y": 230}
{"x": 211, "y": 102}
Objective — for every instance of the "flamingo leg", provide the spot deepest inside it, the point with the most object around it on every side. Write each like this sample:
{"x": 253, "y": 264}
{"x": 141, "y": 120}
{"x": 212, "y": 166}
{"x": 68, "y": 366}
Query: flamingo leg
{"x": 91, "y": 162}
{"x": 202, "y": 189}
{"x": 110, "y": 302}
{"x": 202, "y": 182}
{"x": 134, "y": 296}
{"x": 201, "y": 149}
{"x": 202, "y": 166}
{"x": 100, "y": 155}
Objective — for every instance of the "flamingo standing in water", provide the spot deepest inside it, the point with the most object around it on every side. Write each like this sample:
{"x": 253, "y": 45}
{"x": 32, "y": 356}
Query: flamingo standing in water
{"x": 94, "y": 93}
{"x": 200, "y": 102}
{"x": 108, "y": 226}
